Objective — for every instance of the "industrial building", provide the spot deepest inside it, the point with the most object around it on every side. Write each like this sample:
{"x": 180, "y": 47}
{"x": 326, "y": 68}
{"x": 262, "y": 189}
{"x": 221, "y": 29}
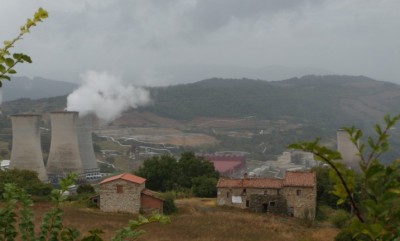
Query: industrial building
{"x": 26, "y": 150}
{"x": 71, "y": 147}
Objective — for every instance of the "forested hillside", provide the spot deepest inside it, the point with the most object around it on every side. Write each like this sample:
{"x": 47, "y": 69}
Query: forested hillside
{"x": 336, "y": 99}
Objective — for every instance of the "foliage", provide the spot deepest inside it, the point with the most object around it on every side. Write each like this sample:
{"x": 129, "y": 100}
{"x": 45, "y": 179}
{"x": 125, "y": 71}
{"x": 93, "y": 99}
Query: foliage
{"x": 169, "y": 204}
{"x": 85, "y": 188}
{"x": 24, "y": 179}
{"x": 165, "y": 173}
{"x": 340, "y": 218}
{"x": 204, "y": 186}
{"x": 7, "y": 60}
{"x": 377, "y": 213}
{"x": 17, "y": 218}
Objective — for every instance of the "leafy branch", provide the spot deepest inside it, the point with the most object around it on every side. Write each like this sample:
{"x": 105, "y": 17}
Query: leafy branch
{"x": 8, "y": 61}
{"x": 378, "y": 211}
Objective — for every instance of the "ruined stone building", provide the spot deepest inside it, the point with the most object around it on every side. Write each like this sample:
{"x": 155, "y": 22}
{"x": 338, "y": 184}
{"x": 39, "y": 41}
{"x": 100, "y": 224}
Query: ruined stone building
{"x": 127, "y": 193}
{"x": 295, "y": 195}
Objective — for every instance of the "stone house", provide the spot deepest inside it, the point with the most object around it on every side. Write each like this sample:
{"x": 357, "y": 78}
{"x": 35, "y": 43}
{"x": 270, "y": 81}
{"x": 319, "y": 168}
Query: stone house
{"x": 127, "y": 193}
{"x": 295, "y": 195}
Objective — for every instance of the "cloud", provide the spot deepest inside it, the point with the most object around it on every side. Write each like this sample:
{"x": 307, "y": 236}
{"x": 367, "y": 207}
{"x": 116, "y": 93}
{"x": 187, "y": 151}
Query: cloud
{"x": 105, "y": 95}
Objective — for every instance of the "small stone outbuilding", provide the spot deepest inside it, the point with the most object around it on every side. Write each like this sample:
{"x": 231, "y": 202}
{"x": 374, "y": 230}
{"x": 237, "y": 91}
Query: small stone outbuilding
{"x": 295, "y": 195}
{"x": 127, "y": 193}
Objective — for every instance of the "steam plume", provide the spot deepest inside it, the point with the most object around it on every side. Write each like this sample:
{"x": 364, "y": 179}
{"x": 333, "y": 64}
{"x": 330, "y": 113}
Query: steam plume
{"x": 105, "y": 95}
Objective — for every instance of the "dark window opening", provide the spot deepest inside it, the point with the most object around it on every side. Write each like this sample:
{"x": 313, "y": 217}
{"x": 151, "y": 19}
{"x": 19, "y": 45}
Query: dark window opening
{"x": 272, "y": 204}
{"x": 247, "y": 203}
{"x": 298, "y": 192}
{"x": 227, "y": 194}
{"x": 265, "y": 207}
{"x": 120, "y": 189}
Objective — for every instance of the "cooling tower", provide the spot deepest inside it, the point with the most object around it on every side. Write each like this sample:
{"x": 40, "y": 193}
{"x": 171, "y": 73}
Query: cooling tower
{"x": 26, "y": 150}
{"x": 89, "y": 163}
{"x": 347, "y": 149}
{"x": 64, "y": 149}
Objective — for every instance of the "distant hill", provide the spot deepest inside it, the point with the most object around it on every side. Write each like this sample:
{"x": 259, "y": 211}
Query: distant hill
{"x": 332, "y": 98}
{"x": 36, "y": 88}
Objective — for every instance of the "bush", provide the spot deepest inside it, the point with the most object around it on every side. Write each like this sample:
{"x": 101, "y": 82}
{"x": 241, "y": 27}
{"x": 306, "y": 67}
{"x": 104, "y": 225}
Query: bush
{"x": 346, "y": 235}
{"x": 340, "y": 218}
{"x": 85, "y": 188}
{"x": 204, "y": 186}
{"x": 169, "y": 205}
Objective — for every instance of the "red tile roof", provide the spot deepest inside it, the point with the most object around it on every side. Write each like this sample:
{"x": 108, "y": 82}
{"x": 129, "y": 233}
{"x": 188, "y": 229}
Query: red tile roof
{"x": 251, "y": 182}
{"x": 300, "y": 179}
{"x": 292, "y": 179}
{"x": 125, "y": 176}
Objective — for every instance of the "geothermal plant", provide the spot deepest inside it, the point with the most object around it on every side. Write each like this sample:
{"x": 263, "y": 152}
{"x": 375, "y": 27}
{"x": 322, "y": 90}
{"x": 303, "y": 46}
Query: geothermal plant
{"x": 71, "y": 147}
{"x": 26, "y": 150}
{"x": 347, "y": 149}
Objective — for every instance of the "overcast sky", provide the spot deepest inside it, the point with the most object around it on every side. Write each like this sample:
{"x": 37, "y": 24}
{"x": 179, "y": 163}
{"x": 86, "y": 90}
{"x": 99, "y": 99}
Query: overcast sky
{"x": 160, "y": 42}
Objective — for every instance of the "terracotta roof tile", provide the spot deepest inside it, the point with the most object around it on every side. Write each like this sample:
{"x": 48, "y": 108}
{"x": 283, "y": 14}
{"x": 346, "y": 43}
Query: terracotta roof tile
{"x": 292, "y": 179}
{"x": 300, "y": 179}
{"x": 251, "y": 182}
{"x": 125, "y": 176}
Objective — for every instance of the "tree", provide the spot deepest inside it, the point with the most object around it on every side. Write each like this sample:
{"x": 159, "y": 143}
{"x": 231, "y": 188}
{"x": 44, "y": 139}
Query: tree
{"x": 165, "y": 173}
{"x": 7, "y": 60}
{"x": 25, "y": 179}
{"x": 377, "y": 213}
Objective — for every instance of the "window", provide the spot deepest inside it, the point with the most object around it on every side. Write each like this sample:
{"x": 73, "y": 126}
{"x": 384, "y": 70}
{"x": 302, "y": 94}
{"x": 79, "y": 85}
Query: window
{"x": 244, "y": 191}
{"x": 120, "y": 189}
{"x": 247, "y": 203}
{"x": 272, "y": 204}
{"x": 298, "y": 192}
{"x": 227, "y": 194}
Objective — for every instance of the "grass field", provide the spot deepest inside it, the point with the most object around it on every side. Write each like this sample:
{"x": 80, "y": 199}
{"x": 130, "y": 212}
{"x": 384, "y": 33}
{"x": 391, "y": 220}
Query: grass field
{"x": 200, "y": 219}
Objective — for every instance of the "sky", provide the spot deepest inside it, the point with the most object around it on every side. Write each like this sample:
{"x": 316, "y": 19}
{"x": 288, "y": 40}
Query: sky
{"x": 159, "y": 42}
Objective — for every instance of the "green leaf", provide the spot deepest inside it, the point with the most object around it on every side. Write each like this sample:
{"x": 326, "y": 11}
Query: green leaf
{"x": 9, "y": 62}
{"x": 26, "y": 58}
{"x": 12, "y": 71}
{"x": 2, "y": 68}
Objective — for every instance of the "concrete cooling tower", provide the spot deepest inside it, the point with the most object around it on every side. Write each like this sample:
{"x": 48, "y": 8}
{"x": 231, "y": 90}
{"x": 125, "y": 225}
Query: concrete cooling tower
{"x": 89, "y": 163}
{"x": 26, "y": 150}
{"x": 347, "y": 149}
{"x": 64, "y": 156}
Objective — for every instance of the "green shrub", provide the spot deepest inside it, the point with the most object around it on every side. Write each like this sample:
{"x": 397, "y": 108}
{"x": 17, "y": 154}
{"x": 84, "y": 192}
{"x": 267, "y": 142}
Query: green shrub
{"x": 340, "y": 218}
{"x": 169, "y": 205}
{"x": 346, "y": 235}
{"x": 85, "y": 188}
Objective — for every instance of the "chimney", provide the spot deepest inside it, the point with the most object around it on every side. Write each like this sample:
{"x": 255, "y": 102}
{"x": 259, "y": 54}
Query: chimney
{"x": 26, "y": 150}
{"x": 64, "y": 154}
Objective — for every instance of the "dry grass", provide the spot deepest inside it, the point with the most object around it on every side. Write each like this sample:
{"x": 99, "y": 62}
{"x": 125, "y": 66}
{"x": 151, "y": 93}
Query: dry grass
{"x": 200, "y": 219}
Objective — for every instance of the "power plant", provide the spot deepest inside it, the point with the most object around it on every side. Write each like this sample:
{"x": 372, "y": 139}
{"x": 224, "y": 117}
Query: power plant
{"x": 347, "y": 149}
{"x": 26, "y": 150}
{"x": 71, "y": 148}
{"x": 85, "y": 142}
{"x": 64, "y": 154}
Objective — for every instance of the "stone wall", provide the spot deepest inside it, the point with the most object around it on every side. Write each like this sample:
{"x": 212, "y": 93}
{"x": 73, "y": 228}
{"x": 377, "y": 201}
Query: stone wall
{"x": 301, "y": 200}
{"x": 127, "y": 200}
{"x": 289, "y": 200}
{"x": 240, "y": 197}
{"x": 260, "y": 203}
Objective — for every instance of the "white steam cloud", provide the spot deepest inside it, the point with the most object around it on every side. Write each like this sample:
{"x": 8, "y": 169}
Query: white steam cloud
{"x": 105, "y": 95}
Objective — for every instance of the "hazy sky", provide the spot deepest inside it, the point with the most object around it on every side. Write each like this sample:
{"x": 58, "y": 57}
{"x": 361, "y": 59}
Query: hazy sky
{"x": 159, "y": 42}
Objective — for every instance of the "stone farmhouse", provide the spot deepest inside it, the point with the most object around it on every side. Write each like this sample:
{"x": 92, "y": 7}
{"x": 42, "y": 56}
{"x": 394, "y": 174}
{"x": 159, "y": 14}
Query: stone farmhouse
{"x": 127, "y": 193}
{"x": 295, "y": 195}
